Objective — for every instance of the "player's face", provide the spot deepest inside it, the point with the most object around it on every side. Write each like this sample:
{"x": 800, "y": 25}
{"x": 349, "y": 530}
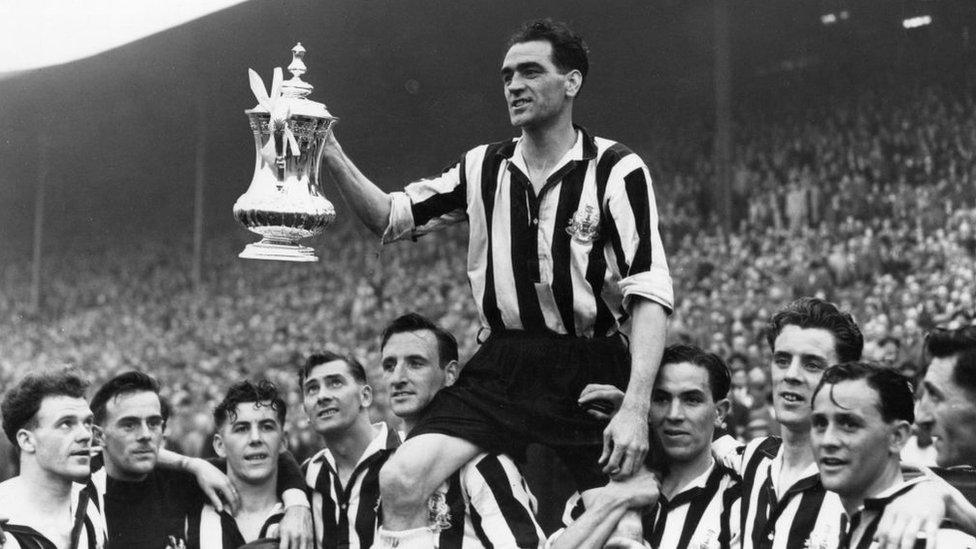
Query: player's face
{"x": 62, "y": 438}
{"x": 683, "y": 413}
{"x": 800, "y": 355}
{"x": 412, "y": 371}
{"x": 251, "y": 442}
{"x": 852, "y": 443}
{"x": 133, "y": 433}
{"x": 535, "y": 90}
{"x": 333, "y": 397}
{"x": 947, "y": 411}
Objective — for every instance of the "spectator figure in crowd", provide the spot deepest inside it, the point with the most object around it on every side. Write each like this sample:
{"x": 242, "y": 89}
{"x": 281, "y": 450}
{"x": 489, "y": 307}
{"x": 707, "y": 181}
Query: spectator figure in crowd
{"x": 48, "y": 420}
{"x": 861, "y": 420}
{"x": 545, "y": 211}
{"x": 250, "y": 434}
{"x": 699, "y": 499}
{"x": 343, "y": 478}
{"x": 947, "y": 409}
{"x": 146, "y": 491}
{"x": 486, "y": 503}
{"x": 890, "y": 349}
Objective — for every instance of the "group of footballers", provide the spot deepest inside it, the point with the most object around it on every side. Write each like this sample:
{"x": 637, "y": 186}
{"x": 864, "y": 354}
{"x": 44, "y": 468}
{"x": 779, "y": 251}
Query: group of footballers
{"x": 571, "y": 282}
{"x": 93, "y": 473}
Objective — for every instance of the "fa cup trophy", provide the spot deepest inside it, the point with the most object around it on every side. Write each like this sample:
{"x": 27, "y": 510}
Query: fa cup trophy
{"x": 284, "y": 203}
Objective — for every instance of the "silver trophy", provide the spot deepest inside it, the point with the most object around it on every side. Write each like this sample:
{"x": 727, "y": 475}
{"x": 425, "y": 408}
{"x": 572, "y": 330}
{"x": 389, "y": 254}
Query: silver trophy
{"x": 284, "y": 203}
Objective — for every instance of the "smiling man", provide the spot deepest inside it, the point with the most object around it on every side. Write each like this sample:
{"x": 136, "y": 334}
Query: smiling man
{"x": 343, "y": 478}
{"x": 699, "y": 498}
{"x": 49, "y": 422}
{"x": 564, "y": 256}
{"x": 250, "y": 433}
{"x": 948, "y": 405}
{"x": 862, "y": 416}
{"x": 485, "y": 503}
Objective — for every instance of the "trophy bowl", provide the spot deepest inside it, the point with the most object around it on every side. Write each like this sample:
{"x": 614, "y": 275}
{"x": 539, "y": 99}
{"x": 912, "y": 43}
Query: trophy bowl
{"x": 284, "y": 202}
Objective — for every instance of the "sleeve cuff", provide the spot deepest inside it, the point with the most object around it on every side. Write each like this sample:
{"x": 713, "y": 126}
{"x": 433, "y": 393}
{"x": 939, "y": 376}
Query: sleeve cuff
{"x": 654, "y": 284}
{"x": 293, "y": 496}
{"x": 401, "y": 224}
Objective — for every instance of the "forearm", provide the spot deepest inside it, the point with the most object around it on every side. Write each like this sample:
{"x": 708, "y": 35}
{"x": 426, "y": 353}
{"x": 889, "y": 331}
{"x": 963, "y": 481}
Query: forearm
{"x": 168, "y": 459}
{"x": 960, "y": 511}
{"x": 646, "y": 349}
{"x": 370, "y": 203}
{"x": 595, "y": 526}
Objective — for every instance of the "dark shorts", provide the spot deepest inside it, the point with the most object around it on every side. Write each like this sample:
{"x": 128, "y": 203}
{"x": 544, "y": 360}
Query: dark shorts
{"x": 522, "y": 388}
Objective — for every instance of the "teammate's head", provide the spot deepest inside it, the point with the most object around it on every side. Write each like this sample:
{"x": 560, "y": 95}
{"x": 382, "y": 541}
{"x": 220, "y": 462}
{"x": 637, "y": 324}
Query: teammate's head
{"x": 419, "y": 358}
{"x": 49, "y": 422}
{"x": 688, "y": 401}
{"x": 132, "y": 417}
{"x": 861, "y": 420}
{"x": 948, "y": 405}
{"x": 542, "y": 72}
{"x": 250, "y": 430}
{"x": 335, "y": 392}
{"x": 806, "y": 337}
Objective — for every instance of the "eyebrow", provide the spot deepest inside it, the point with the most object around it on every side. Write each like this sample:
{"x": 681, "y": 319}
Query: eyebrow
{"x": 521, "y": 67}
{"x": 805, "y": 356}
{"x": 929, "y": 388}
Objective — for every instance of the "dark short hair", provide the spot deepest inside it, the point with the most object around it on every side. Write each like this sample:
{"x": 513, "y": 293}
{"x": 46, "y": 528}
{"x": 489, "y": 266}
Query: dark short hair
{"x": 447, "y": 346}
{"x": 719, "y": 378}
{"x": 21, "y": 403}
{"x": 356, "y": 369}
{"x": 124, "y": 384}
{"x": 812, "y": 312}
{"x": 569, "y": 52}
{"x": 896, "y": 397}
{"x": 959, "y": 343}
{"x": 262, "y": 393}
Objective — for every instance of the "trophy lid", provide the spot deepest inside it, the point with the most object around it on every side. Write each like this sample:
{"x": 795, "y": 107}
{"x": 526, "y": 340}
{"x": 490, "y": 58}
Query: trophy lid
{"x": 295, "y": 91}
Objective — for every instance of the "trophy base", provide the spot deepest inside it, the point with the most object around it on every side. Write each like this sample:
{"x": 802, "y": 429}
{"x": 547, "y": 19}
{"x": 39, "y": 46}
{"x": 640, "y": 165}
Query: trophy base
{"x": 272, "y": 251}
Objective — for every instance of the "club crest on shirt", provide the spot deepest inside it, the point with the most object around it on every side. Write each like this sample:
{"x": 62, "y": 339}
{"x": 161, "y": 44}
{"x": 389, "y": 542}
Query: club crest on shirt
{"x": 584, "y": 226}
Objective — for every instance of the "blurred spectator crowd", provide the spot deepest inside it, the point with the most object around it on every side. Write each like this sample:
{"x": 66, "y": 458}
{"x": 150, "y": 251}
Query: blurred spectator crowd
{"x": 864, "y": 195}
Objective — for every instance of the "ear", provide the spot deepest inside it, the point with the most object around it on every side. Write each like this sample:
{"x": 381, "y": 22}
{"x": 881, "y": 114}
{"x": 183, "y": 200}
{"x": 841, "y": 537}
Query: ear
{"x": 451, "y": 373}
{"x": 218, "y": 445}
{"x": 574, "y": 81}
{"x": 25, "y": 440}
{"x": 366, "y": 396}
{"x": 722, "y": 408}
{"x": 898, "y": 436}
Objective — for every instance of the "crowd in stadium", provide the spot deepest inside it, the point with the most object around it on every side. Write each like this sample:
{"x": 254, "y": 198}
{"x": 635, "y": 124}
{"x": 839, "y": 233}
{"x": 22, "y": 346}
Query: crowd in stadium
{"x": 864, "y": 196}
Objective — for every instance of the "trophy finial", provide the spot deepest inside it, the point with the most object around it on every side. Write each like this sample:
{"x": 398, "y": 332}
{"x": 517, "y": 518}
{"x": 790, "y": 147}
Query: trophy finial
{"x": 295, "y": 86}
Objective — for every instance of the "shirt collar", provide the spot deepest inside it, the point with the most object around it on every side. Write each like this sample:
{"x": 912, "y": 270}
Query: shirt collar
{"x": 381, "y": 441}
{"x": 583, "y": 149}
{"x": 810, "y": 476}
{"x": 698, "y": 482}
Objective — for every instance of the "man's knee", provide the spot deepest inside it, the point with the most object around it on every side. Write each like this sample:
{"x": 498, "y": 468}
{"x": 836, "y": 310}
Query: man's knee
{"x": 401, "y": 483}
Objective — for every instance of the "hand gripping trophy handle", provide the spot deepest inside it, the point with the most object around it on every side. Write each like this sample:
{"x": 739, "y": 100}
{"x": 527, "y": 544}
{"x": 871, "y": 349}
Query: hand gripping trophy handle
{"x": 284, "y": 202}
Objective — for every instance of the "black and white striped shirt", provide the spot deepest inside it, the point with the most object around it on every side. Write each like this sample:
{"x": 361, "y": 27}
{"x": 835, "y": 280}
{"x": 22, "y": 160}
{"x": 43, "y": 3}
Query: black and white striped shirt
{"x": 857, "y": 530}
{"x": 346, "y": 516}
{"x": 704, "y": 513}
{"x": 780, "y": 517}
{"x": 208, "y": 529}
{"x": 489, "y": 505}
{"x": 21, "y": 531}
{"x": 568, "y": 260}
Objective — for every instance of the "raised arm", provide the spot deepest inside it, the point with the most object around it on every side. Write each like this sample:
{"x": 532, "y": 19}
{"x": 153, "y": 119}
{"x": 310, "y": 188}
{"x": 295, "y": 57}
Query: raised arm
{"x": 370, "y": 203}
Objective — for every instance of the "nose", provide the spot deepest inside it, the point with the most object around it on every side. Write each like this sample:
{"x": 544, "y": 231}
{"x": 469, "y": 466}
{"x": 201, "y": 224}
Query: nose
{"x": 145, "y": 431}
{"x": 792, "y": 373}
{"x": 829, "y": 439}
{"x": 675, "y": 411}
{"x": 924, "y": 417}
{"x": 254, "y": 436}
{"x": 515, "y": 83}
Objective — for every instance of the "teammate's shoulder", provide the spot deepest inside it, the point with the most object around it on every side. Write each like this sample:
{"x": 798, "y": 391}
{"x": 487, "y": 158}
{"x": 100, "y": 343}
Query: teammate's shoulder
{"x": 608, "y": 149}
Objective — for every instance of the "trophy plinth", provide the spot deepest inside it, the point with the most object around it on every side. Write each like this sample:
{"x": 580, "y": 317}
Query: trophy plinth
{"x": 284, "y": 203}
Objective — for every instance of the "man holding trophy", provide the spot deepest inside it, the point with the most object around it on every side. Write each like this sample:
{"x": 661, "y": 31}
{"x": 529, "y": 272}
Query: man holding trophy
{"x": 564, "y": 261}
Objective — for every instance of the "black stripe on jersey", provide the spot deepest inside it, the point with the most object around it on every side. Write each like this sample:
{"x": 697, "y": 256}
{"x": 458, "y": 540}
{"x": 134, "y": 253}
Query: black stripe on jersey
{"x": 439, "y": 203}
{"x": 562, "y": 276}
{"x": 479, "y": 529}
{"x": 323, "y": 486}
{"x": 453, "y": 537}
{"x": 696, "y": 509}
{"x": 369, "y": 494}
{"x": 489, "y": 182}
{"x": 524, "y": 240}
{"x": 518, "y": 519}
{"x": 636, "y": 185}
{"x": 766, "y": 495}
{"x": 767, "y": 450}
{"x": 729, "y": 498}
{"x": 596, "y": 268}
{"x": 806, "y": 516}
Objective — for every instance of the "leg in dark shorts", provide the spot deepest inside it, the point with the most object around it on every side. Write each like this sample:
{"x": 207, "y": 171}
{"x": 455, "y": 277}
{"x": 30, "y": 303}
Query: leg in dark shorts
{"x": 521, "y": 388}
